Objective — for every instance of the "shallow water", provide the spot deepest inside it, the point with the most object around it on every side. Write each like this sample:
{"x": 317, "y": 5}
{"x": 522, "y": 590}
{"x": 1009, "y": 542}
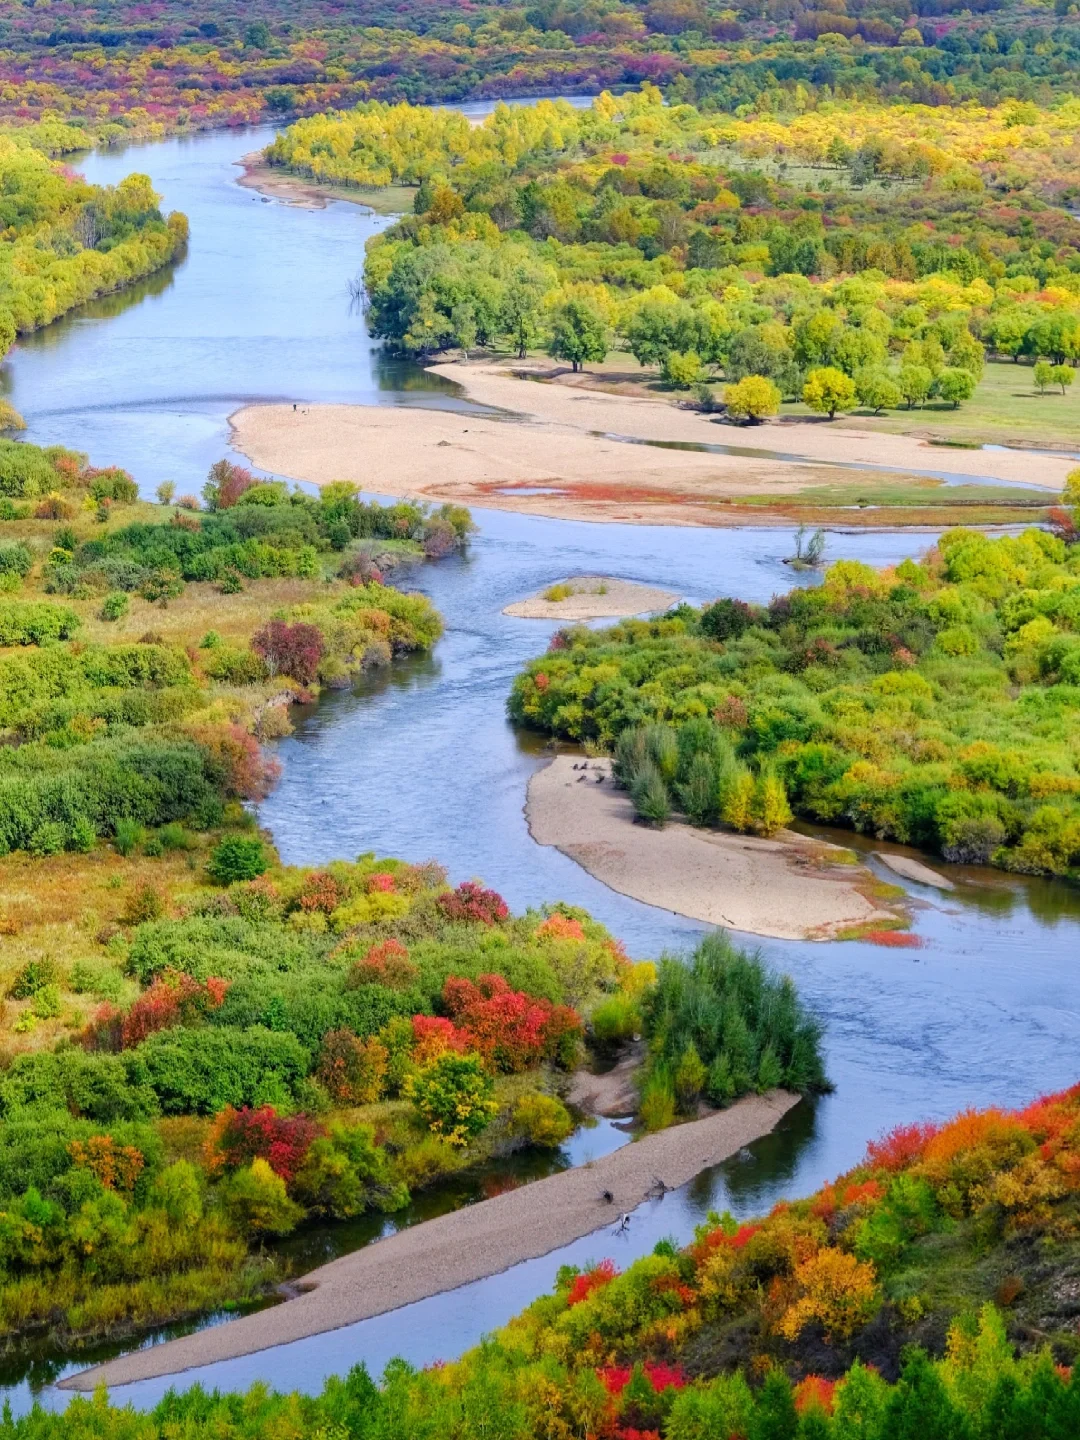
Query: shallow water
{"x": 421, "y": 762}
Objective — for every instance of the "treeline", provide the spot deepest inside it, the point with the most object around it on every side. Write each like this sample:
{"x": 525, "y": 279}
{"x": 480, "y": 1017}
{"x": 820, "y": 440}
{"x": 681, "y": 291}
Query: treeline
{"x": 66, "y": 241}
{"x": 934, "y": 704}
{"x": 655, "y": 229}
{"x": 125, "y": 72}
{"x": 899, "y": 1300}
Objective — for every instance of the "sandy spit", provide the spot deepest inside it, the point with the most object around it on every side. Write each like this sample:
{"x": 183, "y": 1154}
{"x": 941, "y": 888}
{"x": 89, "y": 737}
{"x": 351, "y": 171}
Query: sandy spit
{"x": 481, "y": 1240}
{"x": 788, "y": 888}
{"x": 549, "y": 450}
{"x": 619, "y": 599}
{"x": 613, "y": 1092}
{"x": 913, "y": 869}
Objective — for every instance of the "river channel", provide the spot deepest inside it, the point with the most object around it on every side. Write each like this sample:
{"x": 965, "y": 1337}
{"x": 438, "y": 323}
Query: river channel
{"x": 421, "y": 761}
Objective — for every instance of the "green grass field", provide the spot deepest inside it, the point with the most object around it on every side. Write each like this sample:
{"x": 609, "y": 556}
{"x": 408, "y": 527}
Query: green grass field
{"x": 1005, "y": 409}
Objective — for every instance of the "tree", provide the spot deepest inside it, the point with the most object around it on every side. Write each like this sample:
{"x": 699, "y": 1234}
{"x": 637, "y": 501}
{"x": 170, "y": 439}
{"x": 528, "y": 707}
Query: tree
{"x": 1043, "y": 375}
{"x": 877, "y": 390}
{"x": 828, "y": 390}
{"x": 682, "y": 370}
{"x": 1063, "y": 375}
{"x": 752, "y": 399}
{"x": 914, "y": 382}
{"x": 165, "y": 492}
{"x": 520, "y": 316}
{"x": 454, "y": 1096}
{"x": 578, "y": 334}
{"x": 954, "y": 385}
{"x": 463, "y": 319}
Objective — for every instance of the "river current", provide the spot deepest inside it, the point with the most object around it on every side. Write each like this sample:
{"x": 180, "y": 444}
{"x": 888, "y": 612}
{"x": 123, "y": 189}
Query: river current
{"x": 421, "y": 762}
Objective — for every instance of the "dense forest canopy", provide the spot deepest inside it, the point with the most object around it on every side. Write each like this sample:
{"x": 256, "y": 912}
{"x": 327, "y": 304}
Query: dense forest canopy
{"x": 128, "y": 67}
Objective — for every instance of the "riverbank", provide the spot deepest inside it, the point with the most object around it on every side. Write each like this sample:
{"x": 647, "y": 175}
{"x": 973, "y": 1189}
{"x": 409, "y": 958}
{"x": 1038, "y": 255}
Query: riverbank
{"x": 289, "y": 189}
{"x": 591, "y": 597}
{"x": 789, "y": 888}
{"x": 466, "y": 1245}
{"x": 560, "y": 449}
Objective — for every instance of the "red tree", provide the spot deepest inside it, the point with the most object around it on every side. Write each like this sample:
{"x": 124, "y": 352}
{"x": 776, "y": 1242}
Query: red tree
{"x": 241, "y": 1136}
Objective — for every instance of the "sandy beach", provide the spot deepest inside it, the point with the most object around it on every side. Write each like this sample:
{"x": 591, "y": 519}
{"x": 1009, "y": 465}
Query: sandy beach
{"x": 595, "y": 597}
{"x": 788, "y": 888}
{"x": 467, "y": 1245}
{"x": 555, "y": 449}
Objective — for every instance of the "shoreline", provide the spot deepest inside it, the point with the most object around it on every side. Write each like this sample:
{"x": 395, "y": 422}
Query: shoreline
{"x": 787, "y": 888}
{"x": 290, "y": 189}
{"x": 569, "y": 452}
{"x": 467, "y": 1245}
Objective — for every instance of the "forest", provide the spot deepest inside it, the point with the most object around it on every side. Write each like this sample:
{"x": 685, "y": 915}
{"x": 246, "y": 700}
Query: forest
{"x": 934, "y": 703}
{"x": 66, "y": 241}
{"x": 124, "y": 69}
{"x": 916, "y": 1295}
{"x": 861, "y": 259}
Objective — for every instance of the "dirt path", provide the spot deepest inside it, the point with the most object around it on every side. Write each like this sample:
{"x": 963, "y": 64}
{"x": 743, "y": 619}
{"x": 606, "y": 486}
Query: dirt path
{"x": 480, "y": 1240}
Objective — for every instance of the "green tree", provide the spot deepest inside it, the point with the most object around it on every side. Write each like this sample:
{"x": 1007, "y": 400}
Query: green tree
{"x": 828, "y": 390}
{"x": 682, "y": 370}
{"x": 877, "y": 390}
{"x": 914, "y": 382}
{"x": 1043, "y": 375}
{"x": 954, "y": 385}
{"x": 520, "y": 316}
{"x": 1063, "y": 375}
{"x": 578, "y": 334}
{"x": 463, "y": 319}
{"x": 752, "y": 398}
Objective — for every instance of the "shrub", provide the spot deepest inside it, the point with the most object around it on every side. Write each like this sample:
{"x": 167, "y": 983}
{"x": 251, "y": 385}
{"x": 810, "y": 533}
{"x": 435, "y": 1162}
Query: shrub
{"x": 353, "y": 1071}
{"x": 115, "y": 605}
{"x": 241, "y": 1136}
{"x": 510, "y": 1029}
{"x": 290, "y": 649}
{"x": 471, "y": 904}
{"x": 238, "y": 857}
{"x": 200, "y": 1071}
{"x": 453, "y": 1096}
{"x": 257, "y": 1203}
{"x": 616, "y": 1020}
{"x": 542, "y": 1120}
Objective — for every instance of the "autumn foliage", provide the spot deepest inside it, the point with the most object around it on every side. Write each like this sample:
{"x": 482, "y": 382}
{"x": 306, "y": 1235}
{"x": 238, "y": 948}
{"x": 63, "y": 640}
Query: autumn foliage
{"x": 240, "y": 1136}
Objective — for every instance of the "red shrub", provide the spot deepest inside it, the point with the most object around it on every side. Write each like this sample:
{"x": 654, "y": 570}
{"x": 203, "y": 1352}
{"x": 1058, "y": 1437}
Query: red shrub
{"x": 594, "y": 1279}
{"x": 360, "y": 570}
{"x": 320, "y": 892}
{"x": 900, "y": 1147}
{"x": 173, "y": 998}
{"x": 434, "y": 1035}
{"x": 240, "y": 1136}
{"x": 560, "y": 927}
{"x": 664, "y": 1377}
{"x": 386, "y": 964}
{"x": 237, "y": 760}
{"x": 380, "y": 883}
{"x": 290, "y": 649}
{"x": 471, "y": 903}
{"x": 105, "y": 1030}
{"x": 226, "y": 484}
{"x": 512, "y": 1030}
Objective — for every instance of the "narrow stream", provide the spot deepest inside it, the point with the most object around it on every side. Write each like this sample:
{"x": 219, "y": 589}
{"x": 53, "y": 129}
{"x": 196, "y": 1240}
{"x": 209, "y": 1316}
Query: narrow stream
{"x": 421, "y": 762}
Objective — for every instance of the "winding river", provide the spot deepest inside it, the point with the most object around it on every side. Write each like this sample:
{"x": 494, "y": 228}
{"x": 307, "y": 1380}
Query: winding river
{"x": 421, "y": 762}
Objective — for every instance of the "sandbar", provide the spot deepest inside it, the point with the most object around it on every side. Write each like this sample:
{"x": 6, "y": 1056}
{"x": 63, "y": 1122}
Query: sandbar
{"x": 595, "y": 597}
{"x": 467, "y": 1245}
{"x": 555, "y": 449}
{"x": 913, "y": 869}
{"x": 787, "y": 888}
